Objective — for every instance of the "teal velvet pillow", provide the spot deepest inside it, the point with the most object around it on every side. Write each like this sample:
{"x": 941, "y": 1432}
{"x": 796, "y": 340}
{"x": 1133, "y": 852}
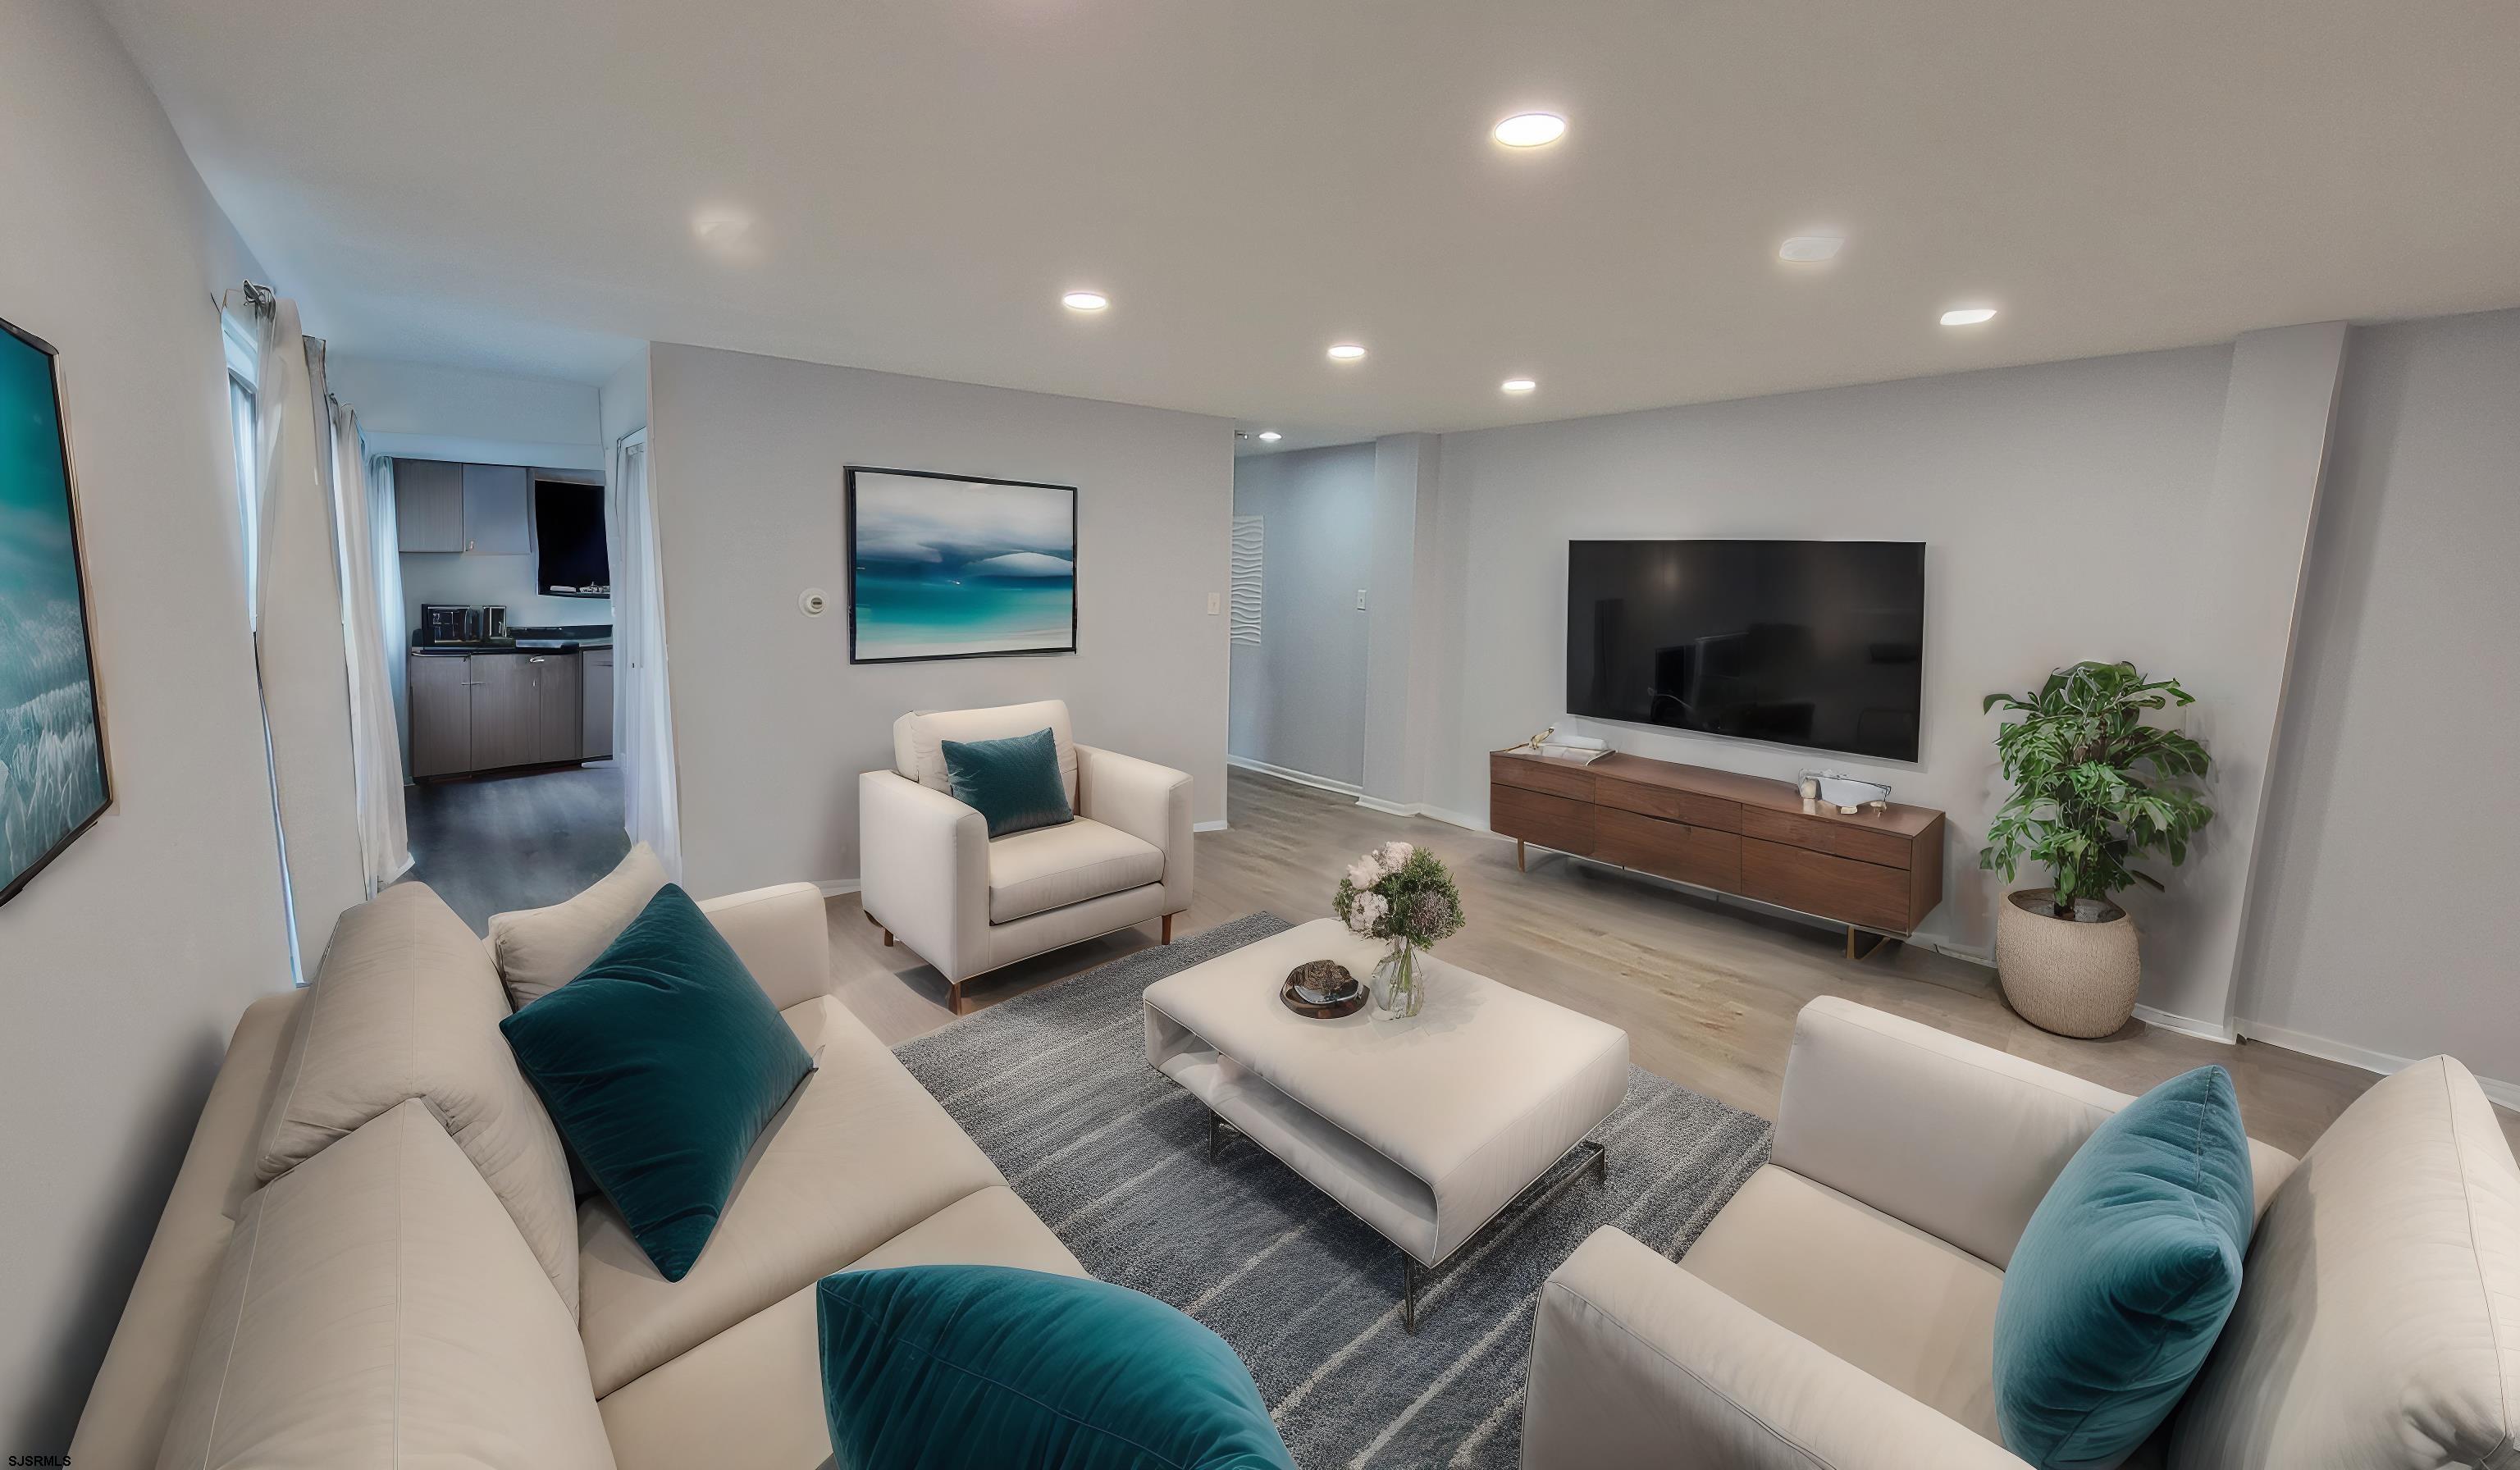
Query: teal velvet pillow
{"x": 660, "y": 1065}
{"x": 1012, "y": 783}
{"x": 985, "y": 1368}
{"x": 2124, "y": 1278}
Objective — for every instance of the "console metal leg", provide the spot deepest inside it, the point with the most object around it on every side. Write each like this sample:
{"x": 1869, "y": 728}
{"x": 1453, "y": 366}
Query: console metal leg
{"x": 1878, "y": 940}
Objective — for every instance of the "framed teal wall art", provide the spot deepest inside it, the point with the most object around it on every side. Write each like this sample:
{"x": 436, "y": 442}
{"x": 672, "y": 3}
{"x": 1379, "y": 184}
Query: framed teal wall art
{"x": 955, "y": 567}
{"x": 53, "y": 784}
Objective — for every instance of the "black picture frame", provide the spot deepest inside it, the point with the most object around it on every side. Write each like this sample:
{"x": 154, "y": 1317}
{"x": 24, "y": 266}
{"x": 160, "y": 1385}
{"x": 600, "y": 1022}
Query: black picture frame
{"x": 849, "y": 498}
{"x": 81, "y": 823}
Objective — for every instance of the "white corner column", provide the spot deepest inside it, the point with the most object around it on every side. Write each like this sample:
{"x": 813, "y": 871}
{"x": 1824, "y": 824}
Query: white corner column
{"x": 2256, "y": 525}
{"x": 1402, "y": 627}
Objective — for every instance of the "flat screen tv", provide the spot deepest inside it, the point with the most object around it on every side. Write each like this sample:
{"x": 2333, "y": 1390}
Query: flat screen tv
{"x": 572, "y": 558}
{"x": 1816, "y": 644}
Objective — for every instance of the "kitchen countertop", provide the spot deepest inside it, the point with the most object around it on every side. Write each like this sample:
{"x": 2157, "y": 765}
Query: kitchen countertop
{"x": 448, "y": 650}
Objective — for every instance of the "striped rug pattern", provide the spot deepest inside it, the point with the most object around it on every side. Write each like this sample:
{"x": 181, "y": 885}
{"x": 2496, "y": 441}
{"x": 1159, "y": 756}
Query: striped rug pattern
{"x": 1055, "y": 1086}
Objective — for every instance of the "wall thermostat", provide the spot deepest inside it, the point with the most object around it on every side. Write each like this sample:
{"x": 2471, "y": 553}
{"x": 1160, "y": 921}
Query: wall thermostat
{"x": 813, "y": 602}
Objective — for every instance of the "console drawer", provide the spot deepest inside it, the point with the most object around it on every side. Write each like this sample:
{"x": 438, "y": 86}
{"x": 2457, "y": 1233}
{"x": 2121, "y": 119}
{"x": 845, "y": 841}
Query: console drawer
{"x": 1669, "y": 805}
{"x": 1537, "y": 817}
{"x": 1869, "y": 895}
{"x": 1822, "y": 835}
{"x": 1699, "y": 855}
{"x": 1535, "y": 773}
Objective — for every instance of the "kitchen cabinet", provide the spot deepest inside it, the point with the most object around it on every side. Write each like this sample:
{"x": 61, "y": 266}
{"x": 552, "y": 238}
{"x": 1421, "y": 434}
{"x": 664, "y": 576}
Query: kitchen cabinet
{"x": 498, "y": 504}
{"x": 429, "y": 506}
{"x": 594, "y": 719}
{"x": 441, "y": 715}
{"x": 490, "y": 711}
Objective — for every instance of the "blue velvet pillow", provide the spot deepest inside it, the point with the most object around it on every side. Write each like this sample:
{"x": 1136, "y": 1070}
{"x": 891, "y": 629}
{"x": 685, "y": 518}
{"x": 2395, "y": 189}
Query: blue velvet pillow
{"x": 987, "y": 1367}
{"x": 2124, "y": 1278}
{"x": 660, "y": 1065}
{"x": 1012, "y": 783}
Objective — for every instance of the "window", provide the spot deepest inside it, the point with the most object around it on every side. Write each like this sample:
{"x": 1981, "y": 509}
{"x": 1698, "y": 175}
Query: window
{"x": 241, "y": 363}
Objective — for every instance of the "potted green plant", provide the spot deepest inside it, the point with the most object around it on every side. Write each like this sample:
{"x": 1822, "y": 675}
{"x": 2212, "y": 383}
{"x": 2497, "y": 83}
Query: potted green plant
{"x": 2095, "y": 790}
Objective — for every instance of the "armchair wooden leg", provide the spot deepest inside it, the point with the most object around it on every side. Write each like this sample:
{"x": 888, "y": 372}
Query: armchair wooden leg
{"x": 954, "y": 997}
{"x": 1168, "y": 928}
{"x": 888, "y": 939}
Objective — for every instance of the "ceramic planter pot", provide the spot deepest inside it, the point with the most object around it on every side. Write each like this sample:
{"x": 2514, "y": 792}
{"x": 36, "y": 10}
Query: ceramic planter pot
{"x": 2072, "y": 976}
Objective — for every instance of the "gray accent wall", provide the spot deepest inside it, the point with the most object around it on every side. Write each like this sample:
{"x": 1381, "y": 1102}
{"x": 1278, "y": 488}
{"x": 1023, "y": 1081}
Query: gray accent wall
{"x": 772, "y": 722}
{"x": 1300, "y": 695}
{"x": 124, "y": 965}
{"x": 2386, "y": 927}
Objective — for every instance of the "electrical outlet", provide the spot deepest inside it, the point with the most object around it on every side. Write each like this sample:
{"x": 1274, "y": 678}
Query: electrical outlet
{"x": 1360, "y": 599}
{"x": 1215, "y": 604}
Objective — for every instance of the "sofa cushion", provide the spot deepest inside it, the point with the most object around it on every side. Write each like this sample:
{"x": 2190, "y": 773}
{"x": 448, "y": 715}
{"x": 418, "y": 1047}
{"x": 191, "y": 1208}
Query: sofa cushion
{"x": 2124, "y": 1278}
{"x": 1915, "y": 1312}
{"x": 377, "y": 1308}
{"x": 1054, "y": 867}
{"x": 2379, "y": 1326}
{"x": 1014, "y": 783}
{"x": 407, "y": 1003}
{"x": 540, "y": 950}
{"x": 987, "y": 1366}
{"x": 751, "y": 1397}
{"x": 661, "y": 1065}
{"x": 917, "y": 738}
{"x": 861, "y": 1156}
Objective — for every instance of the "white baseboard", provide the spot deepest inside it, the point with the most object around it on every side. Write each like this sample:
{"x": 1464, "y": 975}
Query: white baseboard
{"x": 1455, "y": 819}
{"x": 1299, "y": 778}
{"x": 2507, "y": 1094}
{"x": 835, "y": 887}
{"x": 2187, "y": 1025}
{"x": 1390, "y": 808}
{"x": 1207, "y": 826}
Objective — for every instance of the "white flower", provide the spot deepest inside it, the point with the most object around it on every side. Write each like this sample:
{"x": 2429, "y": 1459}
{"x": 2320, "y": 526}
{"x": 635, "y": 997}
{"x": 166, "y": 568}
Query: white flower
{"x": 1394, "y": 856}
{"x": 1364, "y": 874}
{"x": 1365, "y": 912}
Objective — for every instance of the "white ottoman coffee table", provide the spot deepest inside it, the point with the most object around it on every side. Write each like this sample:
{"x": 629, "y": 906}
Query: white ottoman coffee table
{"x": 1422, "y": 1128}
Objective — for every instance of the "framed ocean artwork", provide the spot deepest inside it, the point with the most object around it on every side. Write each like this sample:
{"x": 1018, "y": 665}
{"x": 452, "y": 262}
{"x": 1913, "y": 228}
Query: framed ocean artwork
{"x": 957, "y": 567}
{"x": 53, "y": 784}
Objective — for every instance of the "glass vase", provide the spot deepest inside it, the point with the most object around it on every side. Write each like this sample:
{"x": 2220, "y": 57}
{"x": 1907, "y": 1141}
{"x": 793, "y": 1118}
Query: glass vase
{"x": 1399, "y": 983}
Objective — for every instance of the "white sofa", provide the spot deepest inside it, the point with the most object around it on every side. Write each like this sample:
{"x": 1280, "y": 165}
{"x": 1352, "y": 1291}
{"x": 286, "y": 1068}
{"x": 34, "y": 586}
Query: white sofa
{"x": 1839, "y": 1310}
{"x": 933, "y": 879}
{"x": 390, "y": 1298}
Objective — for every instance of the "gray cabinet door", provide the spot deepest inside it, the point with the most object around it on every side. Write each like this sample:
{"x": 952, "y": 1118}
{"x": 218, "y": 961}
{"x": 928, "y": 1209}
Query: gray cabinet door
{"x": 594, "y": 722}
{"x": 502, "y": 710}
{"x": 497, "y": 509}
{"x": 553, "y": 709}
{"x": 429, "y": 506}
{"x": 441, "y": 715}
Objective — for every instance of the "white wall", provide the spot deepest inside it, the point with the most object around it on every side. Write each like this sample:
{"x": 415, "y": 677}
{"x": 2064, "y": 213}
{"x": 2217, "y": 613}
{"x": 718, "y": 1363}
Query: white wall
{"x": 2388, "y": 925}
{"x": 2059, "y": 505}
{"x": 1300, "y": 695}
{"x": 773, "y": 723}
{"x": 124, "y": 966}
{"x": 434, "y": 413}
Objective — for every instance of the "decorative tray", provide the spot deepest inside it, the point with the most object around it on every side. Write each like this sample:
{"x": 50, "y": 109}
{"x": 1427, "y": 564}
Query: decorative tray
{"x": 1323, "y": 990}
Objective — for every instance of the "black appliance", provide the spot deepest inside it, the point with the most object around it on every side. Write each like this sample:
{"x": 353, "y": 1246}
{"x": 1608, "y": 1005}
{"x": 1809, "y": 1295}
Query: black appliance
{"x": 449, "y": 623}
{"x": 1818, "y": 644}
{"x": 571, "y": 556}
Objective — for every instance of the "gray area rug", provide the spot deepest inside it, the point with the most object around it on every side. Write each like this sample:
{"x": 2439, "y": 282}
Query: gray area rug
{"x": 1112, "y": 1154}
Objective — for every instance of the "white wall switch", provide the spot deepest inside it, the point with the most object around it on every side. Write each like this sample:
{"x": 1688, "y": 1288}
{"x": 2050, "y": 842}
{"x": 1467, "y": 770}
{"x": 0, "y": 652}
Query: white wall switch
{"x": 1215, "y": 604}
{"x": 1360, "y": 599}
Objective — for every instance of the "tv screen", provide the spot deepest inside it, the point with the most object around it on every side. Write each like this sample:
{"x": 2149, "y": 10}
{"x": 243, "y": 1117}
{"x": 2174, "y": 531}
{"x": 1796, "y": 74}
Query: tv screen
{"x": 1802, "y": 642}
{"x": 572, "y": 560}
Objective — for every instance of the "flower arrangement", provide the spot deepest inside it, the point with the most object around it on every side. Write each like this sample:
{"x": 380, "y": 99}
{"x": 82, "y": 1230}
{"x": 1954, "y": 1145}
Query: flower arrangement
{"x": 1404, "y": 894}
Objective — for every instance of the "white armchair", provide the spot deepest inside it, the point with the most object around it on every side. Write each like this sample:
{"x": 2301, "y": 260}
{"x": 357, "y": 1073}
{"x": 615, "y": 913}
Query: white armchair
{"x": 933, "y": 879}
{"x": 1841, "y": 1310}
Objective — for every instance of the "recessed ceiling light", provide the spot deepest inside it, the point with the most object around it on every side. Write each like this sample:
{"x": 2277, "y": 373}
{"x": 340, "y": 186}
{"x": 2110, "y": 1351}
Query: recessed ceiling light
{"x": 1531, "y": 129}
{"x": 1085, "y": 301}
{"x": 721, "y": 230}
{"x": 1811, "y": 248}
{"x": 1968, "y": 316}
{"x": 1270, "y": 436}
{"x": 1518, "y": 384}
{"x": 1347, "y": 352}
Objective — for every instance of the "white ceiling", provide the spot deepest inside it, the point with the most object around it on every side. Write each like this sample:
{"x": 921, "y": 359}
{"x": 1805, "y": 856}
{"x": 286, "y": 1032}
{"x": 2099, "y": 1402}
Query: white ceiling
{"x": 513, "y": 184}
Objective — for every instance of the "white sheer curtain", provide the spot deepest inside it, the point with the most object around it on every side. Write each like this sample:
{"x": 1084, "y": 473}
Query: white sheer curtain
{"x": 376, "y": 740}
{"x": 643, "y": 717}
{"x": 385, "y": 542}
{"x": 298, "y": 648}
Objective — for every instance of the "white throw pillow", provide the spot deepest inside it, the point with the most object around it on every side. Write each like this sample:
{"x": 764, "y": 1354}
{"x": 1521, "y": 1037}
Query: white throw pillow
{"x": 541, "y": 949}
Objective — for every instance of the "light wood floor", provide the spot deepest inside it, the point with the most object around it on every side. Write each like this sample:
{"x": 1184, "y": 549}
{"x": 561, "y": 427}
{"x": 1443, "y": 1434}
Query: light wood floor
{"x": 1706, "y": 991}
